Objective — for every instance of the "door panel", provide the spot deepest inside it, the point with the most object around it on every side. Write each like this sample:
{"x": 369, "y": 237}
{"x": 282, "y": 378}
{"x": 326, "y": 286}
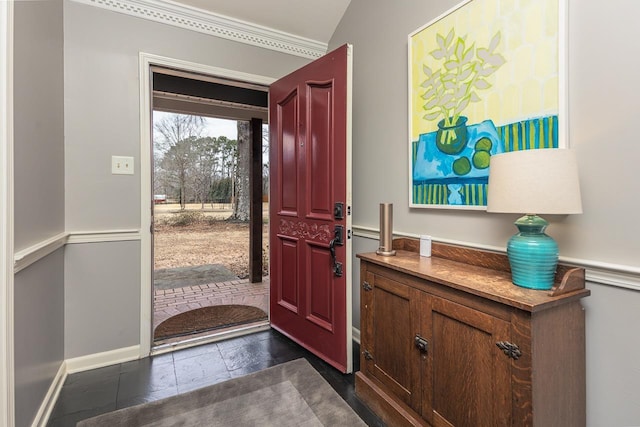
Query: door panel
{"x": 319, "y": 156}
{"x": 287, "y": 291}
{"x": 319, "y": 297}
{"x": 309, "y": 117}
{"x": 394, "y": 359}
{"x": 288, "y": 155}
{"x": 470, "y": 385}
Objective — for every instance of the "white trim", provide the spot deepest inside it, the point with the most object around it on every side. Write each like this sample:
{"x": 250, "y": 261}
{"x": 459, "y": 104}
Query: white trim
{"x": 349, "y": 202}
{"x": 7, "y": 379}
{"x": 147, "y": 60}
{"x": 99, "y": 360}
{"x": 44, "y": 413}
{"x": 226, "y": 335}
{"x": 191, "y": 18}
{"x": 563, "y": 74}
{"x": 25, "y": 257}
{"x": 355, "y": 332}
{"x": 146, "y": 207}
{"x": 103, "y": 236}
{"x": 613, "y": 278}
{"x": 603, "y": 273}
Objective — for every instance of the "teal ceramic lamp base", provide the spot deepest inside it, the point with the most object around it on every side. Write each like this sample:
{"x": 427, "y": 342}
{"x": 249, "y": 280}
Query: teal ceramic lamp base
{"x": 533, "y": 255}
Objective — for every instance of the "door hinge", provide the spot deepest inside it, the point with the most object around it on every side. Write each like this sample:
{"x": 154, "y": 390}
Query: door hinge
{"x": 421, "y": 344}
{"x": 367, "y": 355}
{"x": 511, "y": 350}
{"x": 366, "y": 286}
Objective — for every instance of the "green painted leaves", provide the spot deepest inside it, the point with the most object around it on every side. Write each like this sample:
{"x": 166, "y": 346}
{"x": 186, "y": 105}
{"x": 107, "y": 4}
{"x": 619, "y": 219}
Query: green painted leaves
{"x": 464, "y": 71}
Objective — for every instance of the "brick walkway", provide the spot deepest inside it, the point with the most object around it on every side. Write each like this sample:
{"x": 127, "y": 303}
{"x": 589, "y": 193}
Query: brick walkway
{"x": 170, "y": 302}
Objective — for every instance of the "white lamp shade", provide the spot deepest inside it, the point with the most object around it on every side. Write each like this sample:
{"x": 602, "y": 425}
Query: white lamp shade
{"x": 543, "y": 181}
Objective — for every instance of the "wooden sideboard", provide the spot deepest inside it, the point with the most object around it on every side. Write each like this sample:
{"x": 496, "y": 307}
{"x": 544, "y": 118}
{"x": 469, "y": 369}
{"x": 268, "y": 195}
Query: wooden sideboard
{"x": 449, "y": 341}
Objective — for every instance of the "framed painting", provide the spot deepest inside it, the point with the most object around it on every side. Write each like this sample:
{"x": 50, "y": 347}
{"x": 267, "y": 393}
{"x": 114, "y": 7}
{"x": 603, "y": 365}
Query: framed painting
{"x": 486, "y": 77}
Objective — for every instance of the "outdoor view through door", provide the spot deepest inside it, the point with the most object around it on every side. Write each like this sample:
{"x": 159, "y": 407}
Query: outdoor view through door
{"x": 201, "y": 227}
{"x": 310, "y": 205}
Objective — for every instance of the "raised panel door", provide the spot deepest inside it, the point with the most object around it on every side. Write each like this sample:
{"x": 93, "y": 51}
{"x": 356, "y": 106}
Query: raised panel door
{"x": 389, "y": 355}
{"x": 467, "y": 378}
{"x": 309, "y": 174}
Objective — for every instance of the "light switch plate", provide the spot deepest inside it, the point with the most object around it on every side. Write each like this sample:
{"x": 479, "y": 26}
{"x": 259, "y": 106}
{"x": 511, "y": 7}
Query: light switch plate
{"x": 121, "y": 165}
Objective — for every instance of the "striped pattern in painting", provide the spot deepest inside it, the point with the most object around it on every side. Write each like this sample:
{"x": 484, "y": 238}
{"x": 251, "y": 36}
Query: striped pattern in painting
{"x": 524, "y": 135}
{"x": 530, "y": 134}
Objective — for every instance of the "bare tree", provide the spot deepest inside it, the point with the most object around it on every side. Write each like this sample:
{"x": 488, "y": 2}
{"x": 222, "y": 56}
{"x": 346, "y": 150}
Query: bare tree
{"x": 178, "y": 163}
{"x": 177, "y": 132}
{"x": 241, "y": 207}
{"x": 204, "y": 166}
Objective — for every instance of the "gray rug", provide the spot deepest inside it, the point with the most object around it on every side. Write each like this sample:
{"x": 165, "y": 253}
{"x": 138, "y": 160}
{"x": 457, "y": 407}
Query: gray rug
{"x": 169, "y": 278}
{"x": 291, "y": 394}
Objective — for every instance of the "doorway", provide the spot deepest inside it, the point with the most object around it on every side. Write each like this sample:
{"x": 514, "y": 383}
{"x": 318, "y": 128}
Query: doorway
{"x": 202, "y": 228}
{"x": 206, "y": 208}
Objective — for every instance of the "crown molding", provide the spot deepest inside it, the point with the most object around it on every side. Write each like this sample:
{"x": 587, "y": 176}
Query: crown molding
{"x": 190, "y": 18}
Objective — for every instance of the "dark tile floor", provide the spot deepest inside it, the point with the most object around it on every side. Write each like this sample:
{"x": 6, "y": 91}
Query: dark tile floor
{"x": 89, "y": 393}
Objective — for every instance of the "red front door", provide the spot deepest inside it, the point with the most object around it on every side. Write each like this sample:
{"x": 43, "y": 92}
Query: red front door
{"x": 310, "y": 207}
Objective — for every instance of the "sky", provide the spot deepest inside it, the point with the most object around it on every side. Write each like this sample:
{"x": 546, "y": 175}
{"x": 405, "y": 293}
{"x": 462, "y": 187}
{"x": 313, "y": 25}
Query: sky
{"x": 214, "y": 127}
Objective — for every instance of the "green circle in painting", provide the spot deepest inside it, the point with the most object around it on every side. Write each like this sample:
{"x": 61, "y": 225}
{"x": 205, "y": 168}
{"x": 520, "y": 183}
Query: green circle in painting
{"x": 462, "y": 166}
{"x": 483, "y": 144}
{"x": 481, "y": 159}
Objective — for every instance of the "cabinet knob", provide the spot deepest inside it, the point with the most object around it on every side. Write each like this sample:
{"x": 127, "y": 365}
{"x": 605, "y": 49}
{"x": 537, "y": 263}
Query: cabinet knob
{"x": 421, "y": 343}
{"x": 367, "y": 355}
{"x": 366, "y": 286}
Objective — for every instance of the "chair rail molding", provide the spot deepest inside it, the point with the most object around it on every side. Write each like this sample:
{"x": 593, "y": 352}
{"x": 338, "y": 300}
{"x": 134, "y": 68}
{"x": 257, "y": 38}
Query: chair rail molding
{"x": 603, "y": 273}
{"x": 191, "y": 18}
{"x": 102, "y": 236}
{"x": 25, "y": 257}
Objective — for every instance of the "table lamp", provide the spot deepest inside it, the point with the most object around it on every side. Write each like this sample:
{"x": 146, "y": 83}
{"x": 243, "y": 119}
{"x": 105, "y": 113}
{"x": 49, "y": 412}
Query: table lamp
{"x": 531, "y": 182}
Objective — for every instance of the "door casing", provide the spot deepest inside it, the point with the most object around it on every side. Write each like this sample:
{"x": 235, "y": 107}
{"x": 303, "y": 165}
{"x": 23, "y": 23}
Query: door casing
{"x": 146, "y": 60}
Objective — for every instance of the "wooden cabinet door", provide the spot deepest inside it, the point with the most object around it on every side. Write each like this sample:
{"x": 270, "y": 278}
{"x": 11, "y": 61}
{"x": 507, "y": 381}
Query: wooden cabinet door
{"x": 390, "y": 314}
{"x": 467, "y": 378}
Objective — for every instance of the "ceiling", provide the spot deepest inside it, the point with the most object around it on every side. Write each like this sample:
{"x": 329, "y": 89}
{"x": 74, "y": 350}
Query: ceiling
{"x": 311, "y": 19}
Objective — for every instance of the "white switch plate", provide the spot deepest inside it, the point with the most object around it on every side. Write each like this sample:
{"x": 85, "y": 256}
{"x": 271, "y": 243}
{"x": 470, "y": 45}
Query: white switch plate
{"x": 121, "y": 165}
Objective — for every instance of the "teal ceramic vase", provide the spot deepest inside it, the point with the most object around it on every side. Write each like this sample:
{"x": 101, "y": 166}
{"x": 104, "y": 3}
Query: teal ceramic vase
{"x": 533, "y": 255}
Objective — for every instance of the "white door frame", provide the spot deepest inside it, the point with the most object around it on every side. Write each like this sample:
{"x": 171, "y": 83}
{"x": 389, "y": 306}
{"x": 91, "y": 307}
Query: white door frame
{"x": 7, "y": 390}
{"x": 145, "y": 62}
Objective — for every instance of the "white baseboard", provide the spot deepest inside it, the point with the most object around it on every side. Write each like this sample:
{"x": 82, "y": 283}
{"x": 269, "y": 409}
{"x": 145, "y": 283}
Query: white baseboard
{"x": 99, "y": 360}
{"x": 44, "y": 413}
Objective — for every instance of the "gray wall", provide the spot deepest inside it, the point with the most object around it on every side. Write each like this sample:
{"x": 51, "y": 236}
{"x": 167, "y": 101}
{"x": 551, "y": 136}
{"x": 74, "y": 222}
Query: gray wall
{"x": 39, "y": 343}
{"x": 39, "y": 122}
{"x": 102, "y": 297}
{"x": 102, "y": 119}
{"x": 607, "y": 174}
{"x": 602, "y": 116}
{"x": 39, "y": 199}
